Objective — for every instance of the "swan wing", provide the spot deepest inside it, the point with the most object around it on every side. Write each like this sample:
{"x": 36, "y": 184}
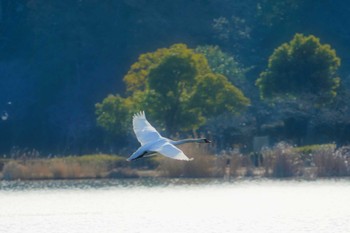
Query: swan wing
{"x": 144, "y": 131}
{"x": 171, "y": 151}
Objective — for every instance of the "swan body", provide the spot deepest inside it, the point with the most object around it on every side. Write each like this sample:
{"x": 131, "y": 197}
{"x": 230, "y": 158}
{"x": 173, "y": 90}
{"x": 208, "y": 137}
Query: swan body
{"x": 152, "y": 142}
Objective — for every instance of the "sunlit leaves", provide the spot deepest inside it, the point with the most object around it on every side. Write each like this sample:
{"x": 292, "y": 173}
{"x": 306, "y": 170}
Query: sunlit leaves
{"x": 176, "y": 88}
{"x": 214, "y": 94}
{"x": 135, "y": 79}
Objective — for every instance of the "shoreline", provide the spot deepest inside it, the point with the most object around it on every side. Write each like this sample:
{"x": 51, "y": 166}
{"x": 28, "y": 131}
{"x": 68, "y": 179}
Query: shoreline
{"x": 281, "y": 161}
{"x": 39, "y": 170}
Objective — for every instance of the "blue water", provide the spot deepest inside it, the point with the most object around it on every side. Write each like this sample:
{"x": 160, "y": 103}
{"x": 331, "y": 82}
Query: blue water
{"x": 170, "y": 205}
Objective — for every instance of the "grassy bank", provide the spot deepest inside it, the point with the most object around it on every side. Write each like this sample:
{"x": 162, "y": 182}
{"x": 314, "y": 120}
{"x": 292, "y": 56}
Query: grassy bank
{"x": 71, "y": 167}
{"x": 281, "y": 161}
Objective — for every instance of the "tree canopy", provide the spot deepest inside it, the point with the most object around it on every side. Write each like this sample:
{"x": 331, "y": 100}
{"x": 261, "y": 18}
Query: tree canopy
{"x": 176, "y": 88}
{"x": 302, "y": 66}
{"x": 112, "y": 114}
{"x": 222, "y": 63}
{"x": 135, "y": 79}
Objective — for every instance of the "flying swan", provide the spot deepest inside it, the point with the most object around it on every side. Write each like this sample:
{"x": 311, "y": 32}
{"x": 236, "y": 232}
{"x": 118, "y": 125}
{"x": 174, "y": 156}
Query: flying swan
{"x": 152, "y": 142}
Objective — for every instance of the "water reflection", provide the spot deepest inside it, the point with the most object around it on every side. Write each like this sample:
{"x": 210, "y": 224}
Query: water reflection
{"x": 174, "y": 205}
{"x": 86, "y": 184}
{"x": 102, "y": 184}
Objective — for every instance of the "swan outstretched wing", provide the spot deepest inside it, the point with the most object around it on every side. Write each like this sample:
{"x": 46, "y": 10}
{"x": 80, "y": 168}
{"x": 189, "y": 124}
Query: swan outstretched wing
{"x": 144, "y": 131}
{"x": 172, "y": 151}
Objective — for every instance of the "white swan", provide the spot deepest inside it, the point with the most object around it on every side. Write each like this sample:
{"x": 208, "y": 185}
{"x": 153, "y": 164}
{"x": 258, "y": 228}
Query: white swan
{"x": 152, "y": 142}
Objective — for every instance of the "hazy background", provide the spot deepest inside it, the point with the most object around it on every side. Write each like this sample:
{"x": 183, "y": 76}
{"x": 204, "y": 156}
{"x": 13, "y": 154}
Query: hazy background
{"x": 59, "y": 58}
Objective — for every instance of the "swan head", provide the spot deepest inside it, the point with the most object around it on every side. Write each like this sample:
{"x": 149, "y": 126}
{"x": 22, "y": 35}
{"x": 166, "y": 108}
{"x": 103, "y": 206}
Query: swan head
{"x": 204, "y": 140}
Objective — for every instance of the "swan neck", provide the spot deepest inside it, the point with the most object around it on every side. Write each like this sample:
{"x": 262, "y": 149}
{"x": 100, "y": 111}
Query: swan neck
{"x": 183, "y": 141}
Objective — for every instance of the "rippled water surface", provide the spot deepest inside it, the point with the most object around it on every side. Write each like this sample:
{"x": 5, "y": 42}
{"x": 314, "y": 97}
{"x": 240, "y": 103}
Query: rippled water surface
{"x": 165, "y": 205}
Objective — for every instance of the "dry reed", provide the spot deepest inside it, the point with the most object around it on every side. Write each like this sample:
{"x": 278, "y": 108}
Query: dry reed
{"x": 94, "y": 166}
{"x": 202, "y": 164}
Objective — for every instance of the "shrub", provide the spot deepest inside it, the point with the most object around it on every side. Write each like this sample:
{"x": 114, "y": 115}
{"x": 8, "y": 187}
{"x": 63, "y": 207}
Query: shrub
{"x": 307, "y": 152}
{"x": 309, "y": 161}
{"x": 13, "y": 171}
{"x": 281, "y": 161}
{"x": 330, "y": 162}
{"x": 309, "y": 149}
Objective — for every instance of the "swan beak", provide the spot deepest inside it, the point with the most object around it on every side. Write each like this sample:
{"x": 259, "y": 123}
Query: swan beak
{"x": 206, "y": 140}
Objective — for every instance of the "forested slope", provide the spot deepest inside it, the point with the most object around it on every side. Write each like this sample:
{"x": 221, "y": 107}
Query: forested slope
{"x": 59, "y": 58}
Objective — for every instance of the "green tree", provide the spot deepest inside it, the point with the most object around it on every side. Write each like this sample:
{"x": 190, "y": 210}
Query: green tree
{"x": 170, "y": 86}
{"x": 214, "y": 94}
{"x": 303, "y": 66}
{"x": 176, "y": 88}
{"x": 113, "y": 113}
{"x": 135, "y": 79}
{"x": 222, "y": 63}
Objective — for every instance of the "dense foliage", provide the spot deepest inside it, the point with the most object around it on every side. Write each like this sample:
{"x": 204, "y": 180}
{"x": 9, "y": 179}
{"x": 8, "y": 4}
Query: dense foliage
{"x": 113, "y": 114}
{"x": 176, "y": 87}
{"x": 302, "y": 66}
{"x": 222, "y": 63}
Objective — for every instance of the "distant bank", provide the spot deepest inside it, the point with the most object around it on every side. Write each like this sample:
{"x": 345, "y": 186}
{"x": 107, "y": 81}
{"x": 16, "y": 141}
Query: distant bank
{"x": 281, "y": 161}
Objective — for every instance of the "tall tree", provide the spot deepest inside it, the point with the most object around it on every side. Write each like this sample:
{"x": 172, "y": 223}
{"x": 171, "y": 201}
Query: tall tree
{"x": 178, "y": 90}
{"x": 303, "y": 66}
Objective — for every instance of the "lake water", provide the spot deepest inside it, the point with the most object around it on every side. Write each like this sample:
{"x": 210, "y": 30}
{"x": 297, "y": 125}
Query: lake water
{"x": 167, "y": 205}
